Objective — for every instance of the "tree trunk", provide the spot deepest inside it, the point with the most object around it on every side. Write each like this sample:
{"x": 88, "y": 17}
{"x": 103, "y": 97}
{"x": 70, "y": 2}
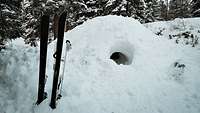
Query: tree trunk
{"x": 167, "y": 9}
{"x": 55, "y": 26}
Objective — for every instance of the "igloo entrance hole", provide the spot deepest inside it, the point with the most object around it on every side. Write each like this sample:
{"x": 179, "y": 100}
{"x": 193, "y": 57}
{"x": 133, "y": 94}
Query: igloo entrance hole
{"x": 122, "y": 53}
{"x": 119, "y": 58}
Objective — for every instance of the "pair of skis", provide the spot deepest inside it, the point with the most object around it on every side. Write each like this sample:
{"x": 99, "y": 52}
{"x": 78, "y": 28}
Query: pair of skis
{"x": 57, "y": 79}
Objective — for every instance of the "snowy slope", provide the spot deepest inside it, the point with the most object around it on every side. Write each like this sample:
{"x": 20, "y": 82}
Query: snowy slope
{"x": 181, "y": 31}
{"x": 161, "y": 76}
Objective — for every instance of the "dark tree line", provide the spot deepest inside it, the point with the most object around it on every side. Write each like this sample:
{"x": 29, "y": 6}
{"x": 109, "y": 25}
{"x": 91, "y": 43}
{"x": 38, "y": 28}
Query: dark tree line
{"x": 10, "y": 19}
{"x": 20, "y": 18}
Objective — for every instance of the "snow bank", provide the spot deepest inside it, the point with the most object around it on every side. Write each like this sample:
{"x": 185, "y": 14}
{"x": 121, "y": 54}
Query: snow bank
{"x": 160, "y": 76}
{"x": 180, "y": 31}
{"x": 18, "y": 77}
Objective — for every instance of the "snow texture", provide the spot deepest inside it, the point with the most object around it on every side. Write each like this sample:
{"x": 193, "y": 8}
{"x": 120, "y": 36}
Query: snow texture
{"x": 162, "y": 77}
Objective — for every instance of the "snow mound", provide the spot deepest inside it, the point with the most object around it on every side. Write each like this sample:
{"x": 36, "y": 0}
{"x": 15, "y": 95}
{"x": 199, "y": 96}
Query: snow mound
{"x": 148, "y": 82}
{"x": 112, "y": 34}
{"x": 156, "y": 76}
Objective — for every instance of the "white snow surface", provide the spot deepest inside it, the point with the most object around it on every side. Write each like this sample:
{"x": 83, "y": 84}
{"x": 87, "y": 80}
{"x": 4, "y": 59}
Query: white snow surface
{"x": 93, "y": 83}
{"x": 177, "y": 25}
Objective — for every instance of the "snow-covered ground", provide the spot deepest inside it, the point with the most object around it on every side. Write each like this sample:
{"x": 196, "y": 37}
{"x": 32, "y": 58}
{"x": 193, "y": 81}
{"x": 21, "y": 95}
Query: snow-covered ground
{"x": 160, "y": 76}
{"x": 181, "y": 31}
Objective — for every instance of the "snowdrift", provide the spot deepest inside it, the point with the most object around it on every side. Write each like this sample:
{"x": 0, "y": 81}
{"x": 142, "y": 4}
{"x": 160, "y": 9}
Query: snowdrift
{"x": 147, "y": 74}
{"x": 180, "y": 31}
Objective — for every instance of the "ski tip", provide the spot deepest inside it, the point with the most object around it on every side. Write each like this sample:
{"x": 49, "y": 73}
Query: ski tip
{"x": 67, "y": 41}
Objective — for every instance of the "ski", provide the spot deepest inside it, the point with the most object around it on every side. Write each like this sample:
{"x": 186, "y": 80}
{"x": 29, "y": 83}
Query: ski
{"x": 44, "y": 27}
{"x": 67, "y": 47}
{"x": 57, "y": 56}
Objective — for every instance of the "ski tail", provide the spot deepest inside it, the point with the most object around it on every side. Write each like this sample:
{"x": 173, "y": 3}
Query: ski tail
{"x": 42, "y": 95}
{"x": 61, "y": 26}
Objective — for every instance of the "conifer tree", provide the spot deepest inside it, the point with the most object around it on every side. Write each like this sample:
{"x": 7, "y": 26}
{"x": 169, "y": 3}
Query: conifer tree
{"x": 195, "y": 8}
{"x": 10, "y": 19}
{"x": 179, "y": 9}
